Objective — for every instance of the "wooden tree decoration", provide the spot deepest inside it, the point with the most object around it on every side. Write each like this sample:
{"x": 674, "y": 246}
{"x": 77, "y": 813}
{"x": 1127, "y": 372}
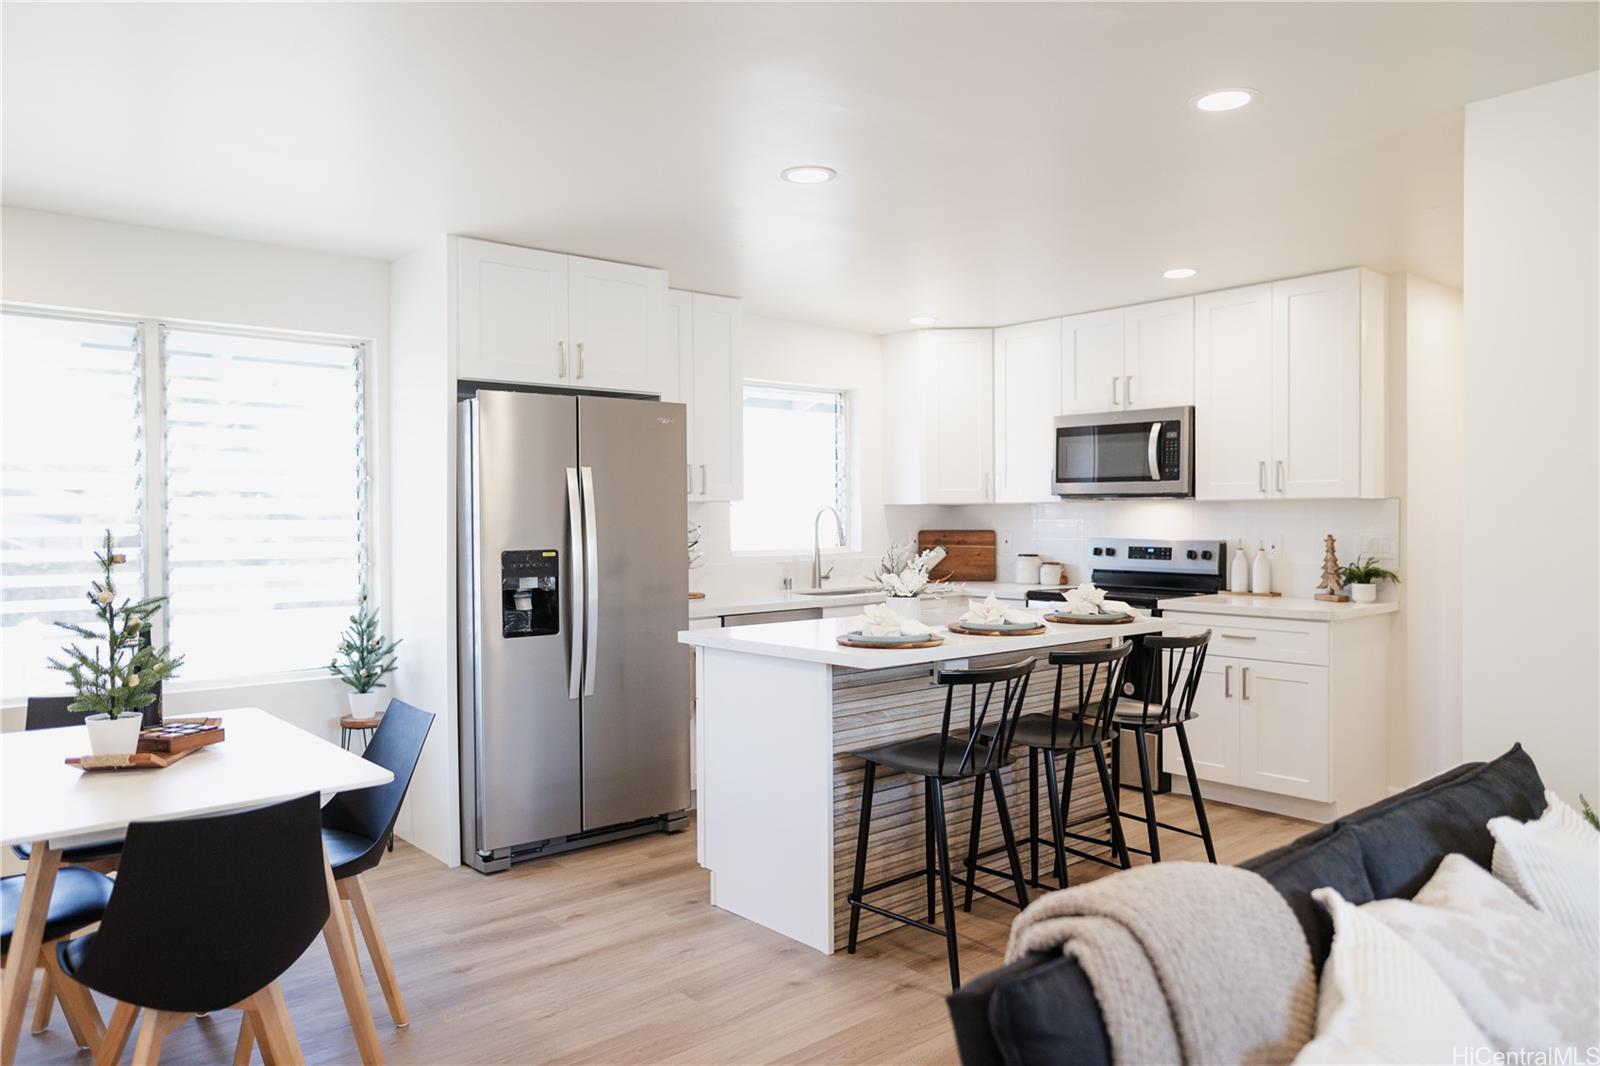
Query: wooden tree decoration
{"x": 1332, "y": 587}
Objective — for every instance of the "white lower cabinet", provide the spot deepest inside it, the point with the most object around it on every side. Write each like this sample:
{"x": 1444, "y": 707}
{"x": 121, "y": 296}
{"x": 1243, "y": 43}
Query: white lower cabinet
{"x": 1313, "y": 729}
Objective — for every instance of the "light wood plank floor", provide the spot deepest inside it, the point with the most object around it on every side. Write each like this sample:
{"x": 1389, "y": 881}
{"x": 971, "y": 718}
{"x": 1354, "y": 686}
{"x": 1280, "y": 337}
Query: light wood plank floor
{"x": 612, "y": 955}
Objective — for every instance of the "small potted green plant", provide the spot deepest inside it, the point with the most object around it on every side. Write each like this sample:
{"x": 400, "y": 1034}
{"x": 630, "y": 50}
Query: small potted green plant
{"x": 115, "y": 691}
{"x": 1361, "y": 578}
{"x": 363, "y": 661}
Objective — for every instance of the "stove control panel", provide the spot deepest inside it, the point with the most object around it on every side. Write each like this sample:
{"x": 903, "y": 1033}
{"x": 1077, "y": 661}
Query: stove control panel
{"x": 1158, "y": 556}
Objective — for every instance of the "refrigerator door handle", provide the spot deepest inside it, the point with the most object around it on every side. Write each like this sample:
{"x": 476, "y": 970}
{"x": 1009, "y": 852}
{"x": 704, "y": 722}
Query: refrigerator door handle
{"x": 575, "y": 570}
{"x": 591, "y": 583}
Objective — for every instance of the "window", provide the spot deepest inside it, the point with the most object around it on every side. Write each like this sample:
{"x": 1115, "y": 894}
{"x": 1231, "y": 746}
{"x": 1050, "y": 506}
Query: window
{"x": 253, "y": 495}
{"x": 796, "y": 462}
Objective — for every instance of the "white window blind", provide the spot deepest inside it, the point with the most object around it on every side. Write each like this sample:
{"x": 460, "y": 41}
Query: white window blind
{"x": 795, "y": 463}
{"x": 265, "y": 499}
{"x": 71, "y": 467}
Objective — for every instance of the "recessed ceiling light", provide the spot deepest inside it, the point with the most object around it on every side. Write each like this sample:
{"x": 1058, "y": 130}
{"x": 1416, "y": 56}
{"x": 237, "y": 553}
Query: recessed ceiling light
{"x": 1179, "y": 273}
{"x": 1224, "y": 99}
{"x": 809, "y": 174}
{"x": 923, "y": 320}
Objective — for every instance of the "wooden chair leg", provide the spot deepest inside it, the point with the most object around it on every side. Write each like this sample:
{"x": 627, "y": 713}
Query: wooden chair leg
{"x": 377, "y": 949}
{"x": 152, "y": 1033}
{"x": 247, "y": 1043}
{"x": 276, "y": 1030}
{"x": 117, "y": 1033}
{"x": 77, "y": 1004}
{"x": 47, "y": 1000}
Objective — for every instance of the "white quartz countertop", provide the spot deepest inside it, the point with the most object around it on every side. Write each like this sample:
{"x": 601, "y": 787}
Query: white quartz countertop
{"x": 1285, "y": 607}
{"x": 817, "y": 641}
{"x": 758, "y": 603}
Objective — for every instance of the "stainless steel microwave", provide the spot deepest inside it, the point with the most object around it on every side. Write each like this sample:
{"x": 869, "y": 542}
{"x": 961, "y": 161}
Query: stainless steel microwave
{"x": 1126, "y": 453}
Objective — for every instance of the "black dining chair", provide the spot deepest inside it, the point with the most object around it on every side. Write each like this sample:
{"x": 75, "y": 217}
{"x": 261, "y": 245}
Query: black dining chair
{"x": 1175, "y": 668}
{"x": 207, "y": 914}
{"x": 77, "y": 901}
{"x": 1079, "y": 720}
{"x": 950, "y": 755}
{"x": 50, "y": 712}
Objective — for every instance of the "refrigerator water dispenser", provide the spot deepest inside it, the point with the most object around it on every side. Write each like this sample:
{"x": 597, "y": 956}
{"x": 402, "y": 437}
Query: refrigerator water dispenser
{"x": 530, "y": 593}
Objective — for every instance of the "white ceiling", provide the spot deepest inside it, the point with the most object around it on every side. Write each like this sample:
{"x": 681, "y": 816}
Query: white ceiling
{"x": 996, "y": 162}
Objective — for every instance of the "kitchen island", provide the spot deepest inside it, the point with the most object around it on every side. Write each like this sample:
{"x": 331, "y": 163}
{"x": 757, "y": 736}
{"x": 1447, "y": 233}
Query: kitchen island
{"x": 778, "y": 706}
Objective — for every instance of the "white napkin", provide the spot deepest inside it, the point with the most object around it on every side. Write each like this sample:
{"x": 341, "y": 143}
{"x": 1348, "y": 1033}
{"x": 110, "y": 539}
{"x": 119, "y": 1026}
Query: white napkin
{"x": 991, "y": 612}
{"x": 1084, "y": 599}
{"x": 879, "y": 620}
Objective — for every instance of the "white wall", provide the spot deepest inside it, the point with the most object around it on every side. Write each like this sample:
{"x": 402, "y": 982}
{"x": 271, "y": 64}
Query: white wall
{"x": 66, "y": 262}
{"x": 798, "y": 354}
{"x": 1532, "y": 271}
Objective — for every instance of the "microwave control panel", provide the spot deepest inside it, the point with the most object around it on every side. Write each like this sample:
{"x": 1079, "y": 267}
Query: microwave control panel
{"x": 1169, "y": 452}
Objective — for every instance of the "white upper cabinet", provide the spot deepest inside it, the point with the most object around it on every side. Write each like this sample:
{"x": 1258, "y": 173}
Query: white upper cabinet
{"x": 1158, "y": 354}
{"x": 541, "y": 318}
{"x": 1233, "y": 393}
{"x": 511, "y": 313}
{"x": 716, "y": 400}
{"x": 1316, "y": 385}
{"x": 1091, "y": 362}
{"x": 614, "y": 321}
{"x": 940, "y": 424}
{"x": 1027, "y": 392}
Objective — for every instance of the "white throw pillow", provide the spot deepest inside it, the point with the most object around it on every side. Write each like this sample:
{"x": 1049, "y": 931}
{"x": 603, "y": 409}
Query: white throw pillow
{"x": 1515, "y": 971}
{"x": 1380, "y": 1001}
{"x": 1554, "y": 864}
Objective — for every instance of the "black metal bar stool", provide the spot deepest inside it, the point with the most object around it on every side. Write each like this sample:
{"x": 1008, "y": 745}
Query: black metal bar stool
{"x": 980, "y": 752}
{"x": 1175, "y": 667}
{"x": 1081, "y": 722}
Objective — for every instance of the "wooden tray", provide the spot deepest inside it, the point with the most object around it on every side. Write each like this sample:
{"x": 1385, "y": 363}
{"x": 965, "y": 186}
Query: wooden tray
{"x": 144, "y": 760}
{"x": 180, "y": 734}
{"x": 957, "y": 627}
{"x": 932, "y": 642}
{"x": 1084, "y": 620}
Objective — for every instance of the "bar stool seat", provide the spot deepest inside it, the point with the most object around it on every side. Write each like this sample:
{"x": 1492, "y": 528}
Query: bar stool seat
{"x": 349, "y": 725}
{"x": 921, "y": 756}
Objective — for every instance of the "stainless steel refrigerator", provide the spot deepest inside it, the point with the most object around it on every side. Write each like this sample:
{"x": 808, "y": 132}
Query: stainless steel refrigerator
{"x": 574, "y": 584}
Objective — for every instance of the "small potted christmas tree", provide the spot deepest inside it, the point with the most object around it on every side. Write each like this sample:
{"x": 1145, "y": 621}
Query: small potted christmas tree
{"x": 364, "y": 659}
{"x": 115, "y": 692}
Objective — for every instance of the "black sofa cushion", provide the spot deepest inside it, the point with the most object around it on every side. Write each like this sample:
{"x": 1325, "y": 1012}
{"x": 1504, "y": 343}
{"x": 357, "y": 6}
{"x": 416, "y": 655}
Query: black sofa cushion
{"x": 1041, "y": 1009}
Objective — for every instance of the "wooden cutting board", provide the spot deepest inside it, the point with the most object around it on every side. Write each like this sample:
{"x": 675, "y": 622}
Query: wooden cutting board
{"x": 969, "y": 553}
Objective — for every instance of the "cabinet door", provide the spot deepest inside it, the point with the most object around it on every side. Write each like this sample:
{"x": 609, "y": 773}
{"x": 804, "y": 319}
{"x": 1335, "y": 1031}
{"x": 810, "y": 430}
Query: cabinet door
{"x": 960, "y": 421}
{"x": 1233, "y": 393}
{"x": 511, "y": 314}
{"x": 677, "y": 338}
{"x": 1214, "y": 735}
{"x": 616, "y": 313}
{"x": 1283, "y": 729}
{"x": 1316, "y": 384}
{"x": 1091, "y": 362}
{"x": 1027, "y": 389}
{"x": 717, "y": 401}
{"x": 1158, "y": 354}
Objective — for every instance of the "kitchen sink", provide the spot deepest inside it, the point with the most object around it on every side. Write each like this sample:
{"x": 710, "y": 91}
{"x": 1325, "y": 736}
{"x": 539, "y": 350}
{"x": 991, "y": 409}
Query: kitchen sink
{"x": 842, "y": 590}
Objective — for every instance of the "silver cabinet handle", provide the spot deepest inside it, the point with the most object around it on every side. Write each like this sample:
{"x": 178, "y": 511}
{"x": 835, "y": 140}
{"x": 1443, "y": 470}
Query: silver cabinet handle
{"x": 561, "y": 359}
{"x": 1245, "y": 682}
{"x": 580, "y": 359}
{"x": 1155, "y": 439}
{"x": 986, "y": 486}
{"x": 703, "y": 489}
{"x": 1236, "y": 636}
{"x": 591, "y": 583}
{"x": 1280, "y": 475}
{"x": 575, "y": 595}
{"x": 1227, "y": 682}
{"x": 1261, "y": 475}
{"x": 1127, "y": 391}
{"x": 1114, "y": 401}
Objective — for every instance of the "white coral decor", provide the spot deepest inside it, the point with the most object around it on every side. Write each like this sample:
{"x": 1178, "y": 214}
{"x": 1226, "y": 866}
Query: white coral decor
{"x": 903, "y": 571}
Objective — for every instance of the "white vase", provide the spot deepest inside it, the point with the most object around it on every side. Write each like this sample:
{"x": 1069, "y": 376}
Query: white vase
{"x": 366, "y": 704}
{"x": 906, "y": 606}
{"x": 114, "y": 736}
{"x": 1367, "y": 593}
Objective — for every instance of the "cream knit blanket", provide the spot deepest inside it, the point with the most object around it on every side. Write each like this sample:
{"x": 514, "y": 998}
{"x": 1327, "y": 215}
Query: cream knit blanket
{"x": 1190, "y": 962}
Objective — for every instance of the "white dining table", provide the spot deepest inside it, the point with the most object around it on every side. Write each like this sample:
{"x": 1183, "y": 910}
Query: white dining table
{"x": 51, "y": 806}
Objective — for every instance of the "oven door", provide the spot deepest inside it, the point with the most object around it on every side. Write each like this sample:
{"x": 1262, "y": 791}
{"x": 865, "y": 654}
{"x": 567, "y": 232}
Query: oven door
{"x": 1126, "y": 453}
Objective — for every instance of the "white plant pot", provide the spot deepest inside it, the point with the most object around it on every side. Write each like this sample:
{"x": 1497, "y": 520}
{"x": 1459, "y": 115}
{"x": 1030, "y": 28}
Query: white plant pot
{"x": 1364, "y": 593}
{"x": 906, "y": 606}
{"x": 114, "y": 736}
{"x": 366, "y": 704}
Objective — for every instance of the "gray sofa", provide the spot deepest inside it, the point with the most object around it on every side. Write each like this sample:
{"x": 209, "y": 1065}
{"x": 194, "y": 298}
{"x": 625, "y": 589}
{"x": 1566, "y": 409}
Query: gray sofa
{"x": 1041, "y": 1009}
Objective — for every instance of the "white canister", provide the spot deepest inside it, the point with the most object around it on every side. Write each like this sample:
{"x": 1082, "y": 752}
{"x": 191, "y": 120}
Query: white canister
{"x": 1051, "y": 574}
{"x": 1025, "y": 571}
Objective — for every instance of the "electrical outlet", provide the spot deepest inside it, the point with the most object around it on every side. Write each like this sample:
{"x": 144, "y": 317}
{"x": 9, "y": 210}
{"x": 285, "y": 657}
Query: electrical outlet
{"x": 1377, "y": 546}
{"x": 1270, "y": 546}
